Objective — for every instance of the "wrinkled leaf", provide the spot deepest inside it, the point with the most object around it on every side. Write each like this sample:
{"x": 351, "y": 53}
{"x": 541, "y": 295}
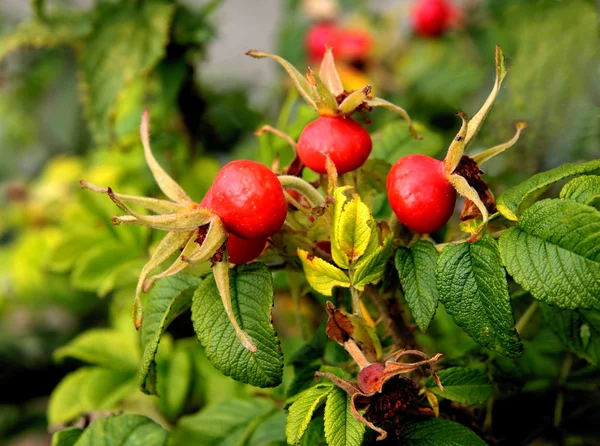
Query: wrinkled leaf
{"x": 322, "y": 276}
{"x": 467, "y": 386}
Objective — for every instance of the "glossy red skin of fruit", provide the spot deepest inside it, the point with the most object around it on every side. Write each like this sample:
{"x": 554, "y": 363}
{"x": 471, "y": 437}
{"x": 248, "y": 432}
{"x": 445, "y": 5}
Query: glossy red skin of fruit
{"x": 240, "y": 250}
{"x": 249, "y": 199}
{"x": 353, "y": 44}
{"x": 419, "y": 193}
{"x": 431, "y": 18}
{"x": 346, "y": 141}
{"x": 319, "y": 37}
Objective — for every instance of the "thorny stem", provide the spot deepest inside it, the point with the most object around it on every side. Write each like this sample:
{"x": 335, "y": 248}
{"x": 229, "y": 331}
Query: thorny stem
{"x": 526, "y": 316}
{"x": 562, "y": 379}
{"x": 400, "y": 333}
{"x": 313, "y": 195}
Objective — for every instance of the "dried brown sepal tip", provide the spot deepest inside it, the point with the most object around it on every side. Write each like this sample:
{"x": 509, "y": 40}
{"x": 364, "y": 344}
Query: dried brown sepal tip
{"x": 470, "y": 171}
{"x": 339, "y": 328}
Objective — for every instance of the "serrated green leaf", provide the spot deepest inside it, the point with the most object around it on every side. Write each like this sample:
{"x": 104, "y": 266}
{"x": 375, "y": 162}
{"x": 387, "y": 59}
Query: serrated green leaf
{"x": 472, "y": 286}
{"x": 66, "y": 437}
{"x": 127, "y": 41}
{"x": 513, "y": 202}
{"x": 322, "y": 276}
{"x": 107, "y": 348}
{"x": 467, "y": 386}
{"x": 56, "y": 31}
{"x": 554, "y": 253}
{"x": 341, "y": 429}
{"x": 584, "y": 189}
{"x": 393, "y": 142}
{"x": 124, "y": 430}
{"x": 229, "y": 422}
{"x": 88, "y": 389}
{"x": 438, "y": 432}
{"x": 370, "y": 268}
{"x": 569, "y": 325}
{"x": 169, "y": 297}
{"x": 252, "y": 300}
{"x": 416, "y": 269}
{"x": 300, "y": 413}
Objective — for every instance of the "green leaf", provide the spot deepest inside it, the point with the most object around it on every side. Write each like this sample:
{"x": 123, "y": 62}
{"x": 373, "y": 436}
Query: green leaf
{"x": 584, "y": 189}
{"x": 127, "y": 41}
{"x": 554, "y": 253}
{"x": 66, "y": 437}
{"x": 579, "y": 330}
{"x": 467, "y": 386}
{"x": 176, "y": 380}
{"x": 438, "y": 432}
{"x": 416, "y": 269}
{"x": 513, "y": 202}
{"x": 370, "y": 268}
{"x": 372, "y": 176}
{"x": 56, "y": 31}
{"x": 88, "y": 389}
{"x": 271, "y": 431}
{"x": 473, "y": 288}
{"x": 341, "y": 429}
{"x": 107, "y": 348}
{"x": 393, "y": 142}
{"x": 351, "y": 231}
{"x": 124, "y": 430}
{"x": 169, "y": 297}
{"x": 322, "y": 276}
{"x": 229, "y": 422}
{"x": 315, "y": 433}
{"x": 302, "y": 410}
{"x": 252, "y": 300}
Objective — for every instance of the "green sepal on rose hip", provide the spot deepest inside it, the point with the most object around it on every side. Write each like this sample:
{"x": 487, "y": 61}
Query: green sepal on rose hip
{"x": 245, "y": 204}
{"x": 334, "y": 133}
{"x": 422, "y": 190}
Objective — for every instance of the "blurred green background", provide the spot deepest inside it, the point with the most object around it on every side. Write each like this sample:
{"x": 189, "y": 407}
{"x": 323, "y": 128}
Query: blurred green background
{"x": 75, "y": 77}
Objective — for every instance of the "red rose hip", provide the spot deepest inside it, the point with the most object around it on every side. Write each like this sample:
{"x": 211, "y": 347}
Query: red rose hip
{"x": 347, "y": 143}
{"x": 431, "y": 18}
{"x": 249, "y": 199}
{"x": 419, "y": 193}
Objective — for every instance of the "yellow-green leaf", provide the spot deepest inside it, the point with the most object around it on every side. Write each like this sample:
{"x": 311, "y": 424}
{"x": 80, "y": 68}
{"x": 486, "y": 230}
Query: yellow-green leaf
{"x": 351, "y": 229}
{"x": 322, "y": 276}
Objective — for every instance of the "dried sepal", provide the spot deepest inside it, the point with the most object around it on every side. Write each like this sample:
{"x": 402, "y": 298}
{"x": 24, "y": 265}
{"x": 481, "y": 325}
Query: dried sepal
{"x": 326, "y": 103}
{"x": 167, "y": 184}
{"x": 457, "y": 147}
{"x": 477, "y": 120}
{"x": 299, "y": 80}
{"x": 178, "y": 222}
{"x": 354, "y": 100}
{"x": 330, "y": 75}
{"x": 332, "y": 175}
{"x": 378, "y": 102}
{"x": 269, "y": 129}
{"x": 221, "y": 273}
{"x": 488, "y": 154}
{"x": 463, "y": 188}
{"x": 152, "y": 204}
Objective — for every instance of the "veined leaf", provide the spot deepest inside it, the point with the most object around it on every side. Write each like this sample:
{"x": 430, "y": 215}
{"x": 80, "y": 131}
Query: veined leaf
{"x": 351, "y": 230}
{"x": 229, "y": 422}
{"x": 128, "y": 40}
{"x": 302, "y": 410}
{"x": 341, "y": 429}
{"x": 554, "y": 253}
{"x": 322, "y": 276}
{"x": 370, "y": 268}
{"x": 416, "y": 269}
{"x": 473, "y": 288}
{"x": 513, "y": 202}
{"x": 467, "y": 386}
{"x": 124, "y": 430}
{"x": 252, "y": 300}
{"x": 66, "y": 437}
{"x": 438, "y": 432}
{"x": 571, "y": 327}
{"x": 107, "y": 348}
{"x": 169, "y": 297}
{"x": 584, "y": 189}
